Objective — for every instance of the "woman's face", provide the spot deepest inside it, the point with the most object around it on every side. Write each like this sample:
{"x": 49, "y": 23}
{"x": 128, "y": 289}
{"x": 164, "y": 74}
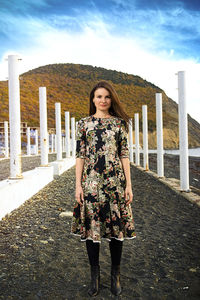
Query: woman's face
{"x": 102, "y": 100}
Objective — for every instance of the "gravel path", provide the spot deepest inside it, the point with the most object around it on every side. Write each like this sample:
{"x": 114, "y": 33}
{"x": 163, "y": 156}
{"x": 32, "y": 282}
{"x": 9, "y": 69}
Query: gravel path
{"x": 39, "y": 259}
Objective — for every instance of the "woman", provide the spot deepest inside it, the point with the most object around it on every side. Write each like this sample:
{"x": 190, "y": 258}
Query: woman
{"x": 103, "y": 182}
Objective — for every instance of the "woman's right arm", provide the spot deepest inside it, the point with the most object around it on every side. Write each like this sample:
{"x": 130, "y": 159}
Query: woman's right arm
{"x": 80, "y": 159}
{"x": 79, "y": 171}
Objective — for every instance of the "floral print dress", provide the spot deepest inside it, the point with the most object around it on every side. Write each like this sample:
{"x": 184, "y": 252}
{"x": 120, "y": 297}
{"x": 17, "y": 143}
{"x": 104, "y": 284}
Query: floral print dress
{"x": 101, "y": 142}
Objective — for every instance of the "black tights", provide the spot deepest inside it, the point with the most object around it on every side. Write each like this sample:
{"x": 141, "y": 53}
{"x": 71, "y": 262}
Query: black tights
{"x": 115, "y": 251}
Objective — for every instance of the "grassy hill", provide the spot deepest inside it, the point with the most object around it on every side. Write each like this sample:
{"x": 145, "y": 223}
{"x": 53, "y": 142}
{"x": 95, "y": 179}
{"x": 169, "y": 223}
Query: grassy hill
{"x": 70, "y": 84}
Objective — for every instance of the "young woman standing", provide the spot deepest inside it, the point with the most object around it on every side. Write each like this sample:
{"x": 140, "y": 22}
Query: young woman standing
{"x": 103, "y": 182}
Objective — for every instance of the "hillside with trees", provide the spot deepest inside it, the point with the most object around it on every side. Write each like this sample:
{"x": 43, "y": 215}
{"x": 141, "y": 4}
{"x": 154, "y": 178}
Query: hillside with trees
{"x": 70, "y": 84}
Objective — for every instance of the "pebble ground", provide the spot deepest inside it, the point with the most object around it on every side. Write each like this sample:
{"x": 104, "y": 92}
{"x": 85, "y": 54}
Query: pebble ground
{"x": 39, "y": 259}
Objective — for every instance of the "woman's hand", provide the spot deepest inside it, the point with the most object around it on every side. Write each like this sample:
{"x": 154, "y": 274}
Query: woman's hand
{"x": 79, "y": 195}
{"x": 128, "y": 194}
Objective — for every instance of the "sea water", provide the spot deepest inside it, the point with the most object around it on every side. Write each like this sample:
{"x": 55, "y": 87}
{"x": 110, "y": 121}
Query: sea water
{"x": 192, "y": 152}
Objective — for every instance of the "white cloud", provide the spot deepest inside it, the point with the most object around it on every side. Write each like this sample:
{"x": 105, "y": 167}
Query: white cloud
{"x": 96, "y": 46}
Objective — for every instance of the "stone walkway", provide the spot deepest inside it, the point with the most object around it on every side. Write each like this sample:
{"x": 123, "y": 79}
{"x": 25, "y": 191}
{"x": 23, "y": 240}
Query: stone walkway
{"x": 39, "y": 259}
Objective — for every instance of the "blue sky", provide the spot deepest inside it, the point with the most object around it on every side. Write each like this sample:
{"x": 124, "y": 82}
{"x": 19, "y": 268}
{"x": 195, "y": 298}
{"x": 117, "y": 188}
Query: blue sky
{"x": 153, "y": 39}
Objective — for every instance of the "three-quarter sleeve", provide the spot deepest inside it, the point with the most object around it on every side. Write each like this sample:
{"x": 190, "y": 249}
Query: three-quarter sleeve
{"x": 80, "y": 140}
{"x": 123, "y": 150}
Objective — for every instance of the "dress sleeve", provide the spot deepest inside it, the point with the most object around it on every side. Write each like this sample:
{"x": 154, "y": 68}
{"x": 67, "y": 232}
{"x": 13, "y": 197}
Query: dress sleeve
{"x": 123, "y": 150}
{"x": 80, "y": 140}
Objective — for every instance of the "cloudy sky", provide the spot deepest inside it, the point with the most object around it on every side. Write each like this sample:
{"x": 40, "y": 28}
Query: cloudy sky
{"x": 151, "y": 38}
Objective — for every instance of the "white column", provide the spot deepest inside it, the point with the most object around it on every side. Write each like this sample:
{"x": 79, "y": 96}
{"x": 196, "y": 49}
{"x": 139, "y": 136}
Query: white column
{"x": 58, "y": 131}
{"x": 130, "y": 140}
{"x": 67, "y": 133}
{"x": 63, "y": 143}
{"x": 14, "y": 117}
{"x": 145, "y": 137}
{"x": 28, "y": 146}
{"x": 159, "y": 130}
{"x": 55, "y": 143}
{"x": 36, "y": 142}
{"x": 52, "y": 143}
{"x": 73, "y": 137}
{"x": 43, "y": 126}
{"x": 6, "y": 139}
{"x": 183, "y": 133}
{"x": 137, "y": 140}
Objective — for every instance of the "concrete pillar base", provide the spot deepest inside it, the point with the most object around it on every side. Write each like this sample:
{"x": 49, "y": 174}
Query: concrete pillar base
{"x": 63, "y": 165}
{"x": 15, "y": 192}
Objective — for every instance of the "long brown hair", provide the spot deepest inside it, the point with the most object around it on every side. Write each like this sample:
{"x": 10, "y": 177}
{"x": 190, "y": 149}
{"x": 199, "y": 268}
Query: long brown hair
{"x": 116, "y": 108}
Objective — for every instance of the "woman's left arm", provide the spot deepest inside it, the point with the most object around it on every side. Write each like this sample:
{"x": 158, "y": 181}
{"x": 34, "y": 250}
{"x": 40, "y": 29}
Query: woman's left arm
{"x": 128, "y": 190}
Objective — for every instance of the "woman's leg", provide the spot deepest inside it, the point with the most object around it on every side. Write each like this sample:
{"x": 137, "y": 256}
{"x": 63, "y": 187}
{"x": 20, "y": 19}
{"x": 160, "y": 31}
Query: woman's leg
{"x": 93, "y": 255}
{"x": 116, "y": 253}
{"x": 93, "y": 252}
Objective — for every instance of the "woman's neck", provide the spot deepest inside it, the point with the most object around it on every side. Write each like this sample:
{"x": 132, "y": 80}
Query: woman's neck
{"x": 100, "y": 114}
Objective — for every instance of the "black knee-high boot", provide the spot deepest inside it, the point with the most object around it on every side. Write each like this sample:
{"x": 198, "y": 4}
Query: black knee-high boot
{"x": 95, "y": 281}
{"x": 115, "y": 280}
{"x": 93, "y": 254}
{"x": 116, "y": 252}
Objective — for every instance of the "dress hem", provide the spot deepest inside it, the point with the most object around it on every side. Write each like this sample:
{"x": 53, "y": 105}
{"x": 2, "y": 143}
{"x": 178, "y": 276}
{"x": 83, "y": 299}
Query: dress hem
{"x": 108, "y": 239}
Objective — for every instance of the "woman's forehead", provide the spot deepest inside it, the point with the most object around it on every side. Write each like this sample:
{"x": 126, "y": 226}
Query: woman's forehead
{"x": 102, "y": 91}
